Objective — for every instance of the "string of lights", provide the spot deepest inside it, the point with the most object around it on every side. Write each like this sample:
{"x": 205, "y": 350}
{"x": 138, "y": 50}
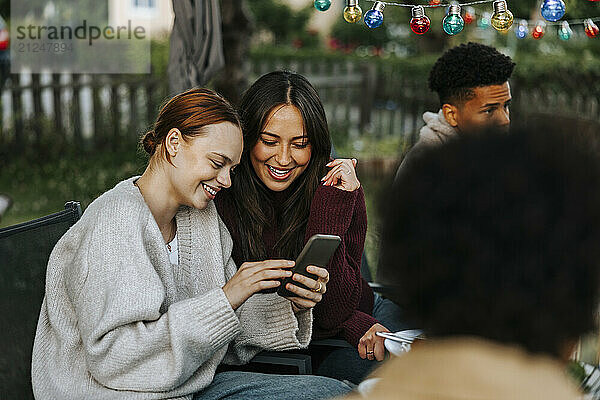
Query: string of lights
{"x": 433, "y": 4}
{"x": 453, "y": 23}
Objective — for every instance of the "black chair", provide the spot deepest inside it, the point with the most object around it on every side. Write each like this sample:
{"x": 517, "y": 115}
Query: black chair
{"x": 24, "y": 252}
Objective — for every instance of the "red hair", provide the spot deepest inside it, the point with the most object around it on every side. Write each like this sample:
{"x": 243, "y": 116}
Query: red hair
{"x": 189, "y": 112}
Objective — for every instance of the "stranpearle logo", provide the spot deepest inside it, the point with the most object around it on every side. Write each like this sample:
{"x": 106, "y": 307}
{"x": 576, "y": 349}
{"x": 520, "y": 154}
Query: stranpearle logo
{"x": 77, "y": 37}
{"x": 84, "y": 32}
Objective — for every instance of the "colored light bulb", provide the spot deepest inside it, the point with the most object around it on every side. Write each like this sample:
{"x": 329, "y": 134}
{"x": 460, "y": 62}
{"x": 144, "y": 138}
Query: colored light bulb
{"x": 591, "y": 29}
{"x": 453, "y": 22}
{"x": 485, "y": 20}
{"x": 469, "y": 15}
{"x": 374, "y": 17}
{"x": 565, "y": 32}
{"x": 419, "y": 23}
{"x": 352, "y": 11}
{"x": 502, "y": 19}
{"x": 322, "y": 5}
{"x": 539, "y": 30}
{"x": 522, "y": 30}
{"x": 553, "y": 10}
{"x": 435, "y": 2}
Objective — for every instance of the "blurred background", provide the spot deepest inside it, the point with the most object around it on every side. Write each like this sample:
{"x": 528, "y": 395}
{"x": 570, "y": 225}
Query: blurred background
{"x": 66, "y": 136}
{"x": 73, "y": 136}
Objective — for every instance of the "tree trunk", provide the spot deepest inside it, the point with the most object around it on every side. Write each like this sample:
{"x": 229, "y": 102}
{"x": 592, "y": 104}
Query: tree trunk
{"x": 237, "y": 28}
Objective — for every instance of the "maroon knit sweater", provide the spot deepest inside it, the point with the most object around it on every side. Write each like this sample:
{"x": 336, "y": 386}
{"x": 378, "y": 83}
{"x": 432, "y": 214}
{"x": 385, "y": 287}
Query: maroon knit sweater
{"x": 347, "y": 307}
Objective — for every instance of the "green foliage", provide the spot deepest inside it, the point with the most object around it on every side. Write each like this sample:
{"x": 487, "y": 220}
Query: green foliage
{"x": 159, "y": 56}
{"x": 576, "y": 371}
{"x": 353, "y": 35}
{"x": 284, "y": 23}
{"x": 5, "y": 9}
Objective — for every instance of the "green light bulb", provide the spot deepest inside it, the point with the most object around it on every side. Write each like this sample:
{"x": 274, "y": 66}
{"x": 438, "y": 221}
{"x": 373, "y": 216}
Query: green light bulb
{"x": 322, "y": 5}
{"x": 502, "y": 19}
{"x": 453, "y": 22}
{"x": 565, "y": 32}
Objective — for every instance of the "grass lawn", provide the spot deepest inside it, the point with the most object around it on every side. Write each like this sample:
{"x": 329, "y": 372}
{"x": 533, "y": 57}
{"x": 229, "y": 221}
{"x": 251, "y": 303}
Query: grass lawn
{"x": 40, "y": 187}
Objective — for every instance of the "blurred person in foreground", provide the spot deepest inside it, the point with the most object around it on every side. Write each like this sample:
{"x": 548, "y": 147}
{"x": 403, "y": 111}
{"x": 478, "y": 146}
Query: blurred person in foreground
{"x": 471, "y": 81}
{"x": 500, "y": 235}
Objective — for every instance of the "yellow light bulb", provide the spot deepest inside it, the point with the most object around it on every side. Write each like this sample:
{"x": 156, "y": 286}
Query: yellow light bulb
{"x": 352, "y": 14}
{"x": 502, "y": 19}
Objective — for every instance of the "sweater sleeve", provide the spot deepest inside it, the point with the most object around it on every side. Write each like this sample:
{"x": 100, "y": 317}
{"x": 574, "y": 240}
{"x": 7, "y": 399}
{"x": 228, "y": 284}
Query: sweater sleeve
{"x": 266, "y": 320}
{"x": 130, "y": 341}
{"x": 338, "y": 212}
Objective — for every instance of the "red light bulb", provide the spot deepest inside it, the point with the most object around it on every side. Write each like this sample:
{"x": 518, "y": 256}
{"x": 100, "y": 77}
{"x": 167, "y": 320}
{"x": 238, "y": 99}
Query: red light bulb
{"x": 539, "y": 30}
{"x": 469, "y": 15}
{"x": 591, "y": 29}
{"x": 419, "y": 23}
{"x": 435, "y": 2}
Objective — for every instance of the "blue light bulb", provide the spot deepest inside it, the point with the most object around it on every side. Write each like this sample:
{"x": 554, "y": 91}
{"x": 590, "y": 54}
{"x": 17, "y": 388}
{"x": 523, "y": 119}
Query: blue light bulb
{"x": 453, "y": 22}
{"x": 522, "y": 30}
{"x": 553, "y": 10}
{"x": 374, "y": 17}
{"x": 322, "y": 5}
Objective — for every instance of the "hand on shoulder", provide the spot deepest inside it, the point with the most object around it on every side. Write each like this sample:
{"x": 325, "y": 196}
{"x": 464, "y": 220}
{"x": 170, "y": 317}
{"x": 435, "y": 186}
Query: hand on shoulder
{"x": 342, "y": 174}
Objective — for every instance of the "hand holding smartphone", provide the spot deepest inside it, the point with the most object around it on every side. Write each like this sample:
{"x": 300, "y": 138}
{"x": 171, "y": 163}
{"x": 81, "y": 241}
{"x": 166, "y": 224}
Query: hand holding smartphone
{"x": 317, "y": 251}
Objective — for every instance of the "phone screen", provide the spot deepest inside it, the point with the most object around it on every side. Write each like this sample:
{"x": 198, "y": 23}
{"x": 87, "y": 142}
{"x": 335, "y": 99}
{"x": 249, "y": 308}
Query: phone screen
{"x": 317, "y": 251}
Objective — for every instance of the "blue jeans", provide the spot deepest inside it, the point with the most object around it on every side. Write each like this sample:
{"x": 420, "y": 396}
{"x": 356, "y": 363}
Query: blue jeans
{"x": 252, "y": 385}
{"x": 345, "y": 363}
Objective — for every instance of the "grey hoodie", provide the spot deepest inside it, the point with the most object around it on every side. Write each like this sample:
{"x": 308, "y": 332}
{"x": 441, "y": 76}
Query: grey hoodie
{"x": 436, "y": 131}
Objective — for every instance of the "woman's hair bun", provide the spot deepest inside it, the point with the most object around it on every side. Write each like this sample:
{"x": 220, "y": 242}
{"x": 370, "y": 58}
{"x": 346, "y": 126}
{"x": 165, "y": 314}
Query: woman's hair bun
{"x": 149, "y": 142}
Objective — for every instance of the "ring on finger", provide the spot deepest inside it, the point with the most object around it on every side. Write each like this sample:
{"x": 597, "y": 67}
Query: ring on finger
{"x": 318, "y": 290}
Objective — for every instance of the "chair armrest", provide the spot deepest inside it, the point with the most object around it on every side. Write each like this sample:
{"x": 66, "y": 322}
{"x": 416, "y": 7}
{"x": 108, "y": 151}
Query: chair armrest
{"x": 381, "y": 289}
{"x": 337, "y": 343}
{"x": 300, "y": 361}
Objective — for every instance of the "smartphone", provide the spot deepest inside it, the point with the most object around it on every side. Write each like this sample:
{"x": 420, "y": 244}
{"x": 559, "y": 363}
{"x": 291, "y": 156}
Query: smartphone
{"x": 317, "y": 251}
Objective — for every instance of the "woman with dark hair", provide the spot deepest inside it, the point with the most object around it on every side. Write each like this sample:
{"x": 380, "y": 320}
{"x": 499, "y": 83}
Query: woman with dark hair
{"x": 143, "y": 300}
{"x": 283, "y": 194}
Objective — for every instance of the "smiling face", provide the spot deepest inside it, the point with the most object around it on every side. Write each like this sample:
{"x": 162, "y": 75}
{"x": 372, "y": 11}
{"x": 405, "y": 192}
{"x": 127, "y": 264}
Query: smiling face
{"x": 489, "y": 108}
{"x": 203, "y": 164}
{"x": 282, "y": 151}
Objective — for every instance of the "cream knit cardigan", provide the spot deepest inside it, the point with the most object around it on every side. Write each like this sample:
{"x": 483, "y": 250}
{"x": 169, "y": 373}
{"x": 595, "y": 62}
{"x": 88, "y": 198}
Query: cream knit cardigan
{"x": 118, "y": 321}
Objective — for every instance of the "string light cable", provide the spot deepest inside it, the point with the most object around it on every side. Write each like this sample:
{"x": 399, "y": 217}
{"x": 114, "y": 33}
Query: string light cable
{"x": 502, "y": 19}
{"x": 472, "y": 3}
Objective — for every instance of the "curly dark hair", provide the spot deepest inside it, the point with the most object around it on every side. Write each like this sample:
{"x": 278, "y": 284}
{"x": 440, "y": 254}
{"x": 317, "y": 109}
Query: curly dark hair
{"x": 461, "y": 69}
{"x": 496, "y": 236}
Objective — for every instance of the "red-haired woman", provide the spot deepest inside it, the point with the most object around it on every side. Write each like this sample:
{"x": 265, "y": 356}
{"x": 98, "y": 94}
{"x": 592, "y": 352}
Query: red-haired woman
{"x": 143, "y": 300}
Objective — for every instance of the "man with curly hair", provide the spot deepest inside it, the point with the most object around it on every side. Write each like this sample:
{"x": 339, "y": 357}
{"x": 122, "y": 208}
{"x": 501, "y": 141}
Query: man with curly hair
{"x": 471, "y": 81}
